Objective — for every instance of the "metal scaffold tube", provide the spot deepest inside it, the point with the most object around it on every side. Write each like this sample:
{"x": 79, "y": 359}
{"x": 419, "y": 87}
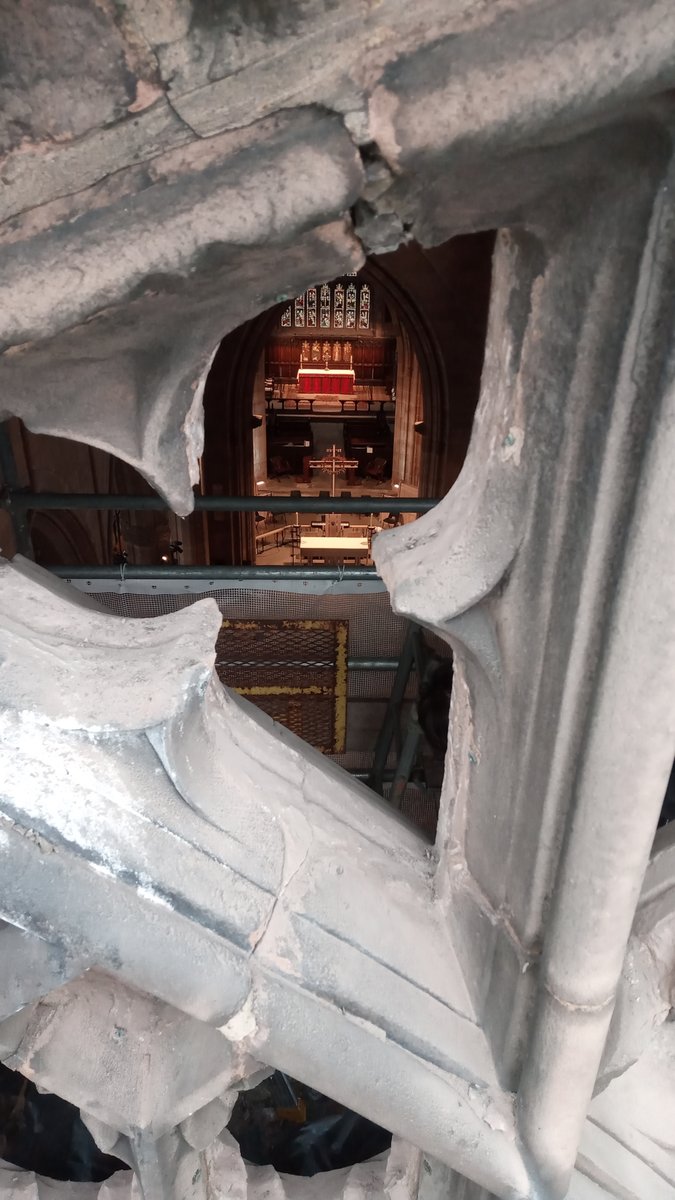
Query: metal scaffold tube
{"x": 19, "y": 500}
{"x": 211, "y": 574}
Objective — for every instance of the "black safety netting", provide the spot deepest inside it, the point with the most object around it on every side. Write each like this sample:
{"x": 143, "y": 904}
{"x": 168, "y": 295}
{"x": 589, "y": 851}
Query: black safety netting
{"x": 279, "y": 1123}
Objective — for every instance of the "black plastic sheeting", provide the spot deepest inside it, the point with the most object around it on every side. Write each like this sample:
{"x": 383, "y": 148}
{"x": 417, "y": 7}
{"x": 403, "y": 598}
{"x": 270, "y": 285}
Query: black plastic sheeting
{"x": 433, "y": 705}
{"x": 286, "y": 1125}
{"x": 279, "y": 1123}
{"x": 42, "y": 1133}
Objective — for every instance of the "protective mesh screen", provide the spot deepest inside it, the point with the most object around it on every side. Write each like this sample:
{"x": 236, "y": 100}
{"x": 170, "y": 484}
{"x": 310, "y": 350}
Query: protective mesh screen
{"x": 374, "y": 630}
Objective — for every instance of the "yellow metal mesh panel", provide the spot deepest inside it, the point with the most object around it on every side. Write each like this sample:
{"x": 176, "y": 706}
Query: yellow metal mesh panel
{"x": 295, "y": 670}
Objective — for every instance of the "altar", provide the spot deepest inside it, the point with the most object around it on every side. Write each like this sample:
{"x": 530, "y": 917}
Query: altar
{"x": 334, "y": 381}
{"x": 334, "y": 549}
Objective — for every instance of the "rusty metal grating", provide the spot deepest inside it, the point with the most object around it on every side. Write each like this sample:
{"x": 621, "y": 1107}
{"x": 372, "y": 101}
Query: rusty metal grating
{"x": 294, "y": 670}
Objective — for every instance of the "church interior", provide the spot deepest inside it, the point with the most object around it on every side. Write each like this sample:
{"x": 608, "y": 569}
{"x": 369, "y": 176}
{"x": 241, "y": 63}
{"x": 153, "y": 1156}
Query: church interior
{"x": 323, "y": 432}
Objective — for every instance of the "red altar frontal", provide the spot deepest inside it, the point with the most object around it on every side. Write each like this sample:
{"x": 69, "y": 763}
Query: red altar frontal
{"x": 334, "y": 382}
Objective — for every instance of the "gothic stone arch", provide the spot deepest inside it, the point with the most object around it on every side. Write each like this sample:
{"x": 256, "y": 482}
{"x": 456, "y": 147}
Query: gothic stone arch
{"x": 171, "y": 856}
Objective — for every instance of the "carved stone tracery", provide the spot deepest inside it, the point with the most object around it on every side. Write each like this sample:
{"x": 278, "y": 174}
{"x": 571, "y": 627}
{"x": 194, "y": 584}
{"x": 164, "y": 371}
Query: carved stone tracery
{"x": 166, "y": 846}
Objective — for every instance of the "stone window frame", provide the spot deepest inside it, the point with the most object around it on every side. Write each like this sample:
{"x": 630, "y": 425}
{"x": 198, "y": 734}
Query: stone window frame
{"x": 554, "y": 539}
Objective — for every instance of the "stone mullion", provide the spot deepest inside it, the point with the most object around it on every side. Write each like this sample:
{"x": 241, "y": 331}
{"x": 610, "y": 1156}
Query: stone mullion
{"x": 525, "y": 568}
{"x": 627, "y": 602}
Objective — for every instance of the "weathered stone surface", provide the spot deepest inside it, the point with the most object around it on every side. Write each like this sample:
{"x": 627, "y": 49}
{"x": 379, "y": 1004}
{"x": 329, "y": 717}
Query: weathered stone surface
{"x": 226, "y": 872}
{"x": 175, "y": 219}
{"x": 645, "y": 996}
{"x": 465, "y": 76}
{"x": 67, "y": 69}
{"x": 221, "y": 1171}
{"x": 191, "y": 248}
{"x": 480, "y": 127}
{"x": 106, "y": 674}
{"x": 628, "y": 1137}
{"x": 245, "y": 886}
{"x": 37, "y": 967}
{"x": 42, "y": 180}
{"x": 530, "y": 73}
{"x": 537, "y": 776}
{"x": 142, "y": 1067}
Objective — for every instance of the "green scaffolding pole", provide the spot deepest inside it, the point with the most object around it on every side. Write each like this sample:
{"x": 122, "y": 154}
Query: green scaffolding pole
{"x": 14, "y": 499}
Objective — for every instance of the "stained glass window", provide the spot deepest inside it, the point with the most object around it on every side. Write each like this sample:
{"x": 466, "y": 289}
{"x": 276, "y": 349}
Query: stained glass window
{"x": 324, "y": 312}
{"x": 339, "y": 306}
{"x": 286, "y": 318}
{"x": 310, "y": 309}
{"x": 364, "y": 307}
{"x": 300, "y": 311}
{"x": 350, "y": 320}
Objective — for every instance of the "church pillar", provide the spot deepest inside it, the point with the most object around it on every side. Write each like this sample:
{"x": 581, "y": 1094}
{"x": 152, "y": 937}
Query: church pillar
{"x": 227, "y": 464}
{"x": 409, "y": 410}
{"x": 260, "y": 431}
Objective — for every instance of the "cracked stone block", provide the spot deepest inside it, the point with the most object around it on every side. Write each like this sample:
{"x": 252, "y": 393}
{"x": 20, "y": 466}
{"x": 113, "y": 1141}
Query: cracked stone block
{"x": 71, "y": 70}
